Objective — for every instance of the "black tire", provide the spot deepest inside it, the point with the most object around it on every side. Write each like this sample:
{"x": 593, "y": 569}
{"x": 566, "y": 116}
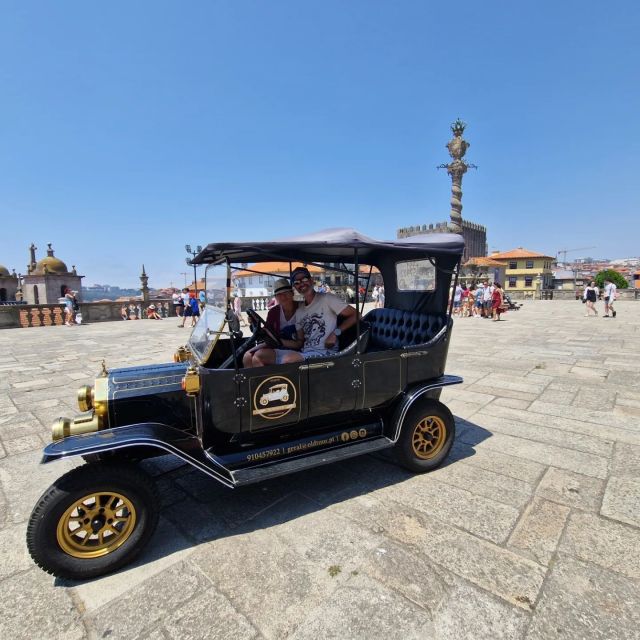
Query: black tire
{"x": 426, "y": 437}
{"x": 70, "y": 532}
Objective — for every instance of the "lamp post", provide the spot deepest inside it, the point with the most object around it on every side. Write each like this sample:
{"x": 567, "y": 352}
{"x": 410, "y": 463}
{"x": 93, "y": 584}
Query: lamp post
{"x": 189, "y": 261}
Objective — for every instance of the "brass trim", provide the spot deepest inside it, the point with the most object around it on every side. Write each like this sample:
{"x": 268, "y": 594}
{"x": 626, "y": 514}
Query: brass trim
{"x": 183, "y": 354}
{"x": 85, "y": 397}
{"x": 86, "y": 422}
{"x": 96, "y": 525}
{"x": 101, "y": 402}
{"x": 316, "y": 365}
{"x": 191, "y": 382}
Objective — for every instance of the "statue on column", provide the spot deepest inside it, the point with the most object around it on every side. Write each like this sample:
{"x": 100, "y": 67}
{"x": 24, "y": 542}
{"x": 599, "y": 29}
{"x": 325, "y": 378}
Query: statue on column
{"x": 31, "y": 267}
{"x": 457, "y": 147}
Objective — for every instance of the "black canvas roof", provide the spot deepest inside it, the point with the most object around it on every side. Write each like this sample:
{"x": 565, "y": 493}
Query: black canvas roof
{"x": 333, "y": 245}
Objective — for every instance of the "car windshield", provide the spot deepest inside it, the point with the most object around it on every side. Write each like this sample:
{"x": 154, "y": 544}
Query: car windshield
{"x": 212, "y": 318}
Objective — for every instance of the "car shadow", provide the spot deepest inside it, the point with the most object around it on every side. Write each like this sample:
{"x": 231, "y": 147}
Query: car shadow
{"x": 201, "y": 510}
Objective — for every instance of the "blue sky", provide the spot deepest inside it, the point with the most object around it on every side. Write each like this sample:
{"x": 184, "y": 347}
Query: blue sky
{"x": 130, "y": 129}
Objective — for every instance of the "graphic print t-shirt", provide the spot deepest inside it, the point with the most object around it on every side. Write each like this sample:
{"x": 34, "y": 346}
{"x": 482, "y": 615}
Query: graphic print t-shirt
{"x": 318, "y": 320}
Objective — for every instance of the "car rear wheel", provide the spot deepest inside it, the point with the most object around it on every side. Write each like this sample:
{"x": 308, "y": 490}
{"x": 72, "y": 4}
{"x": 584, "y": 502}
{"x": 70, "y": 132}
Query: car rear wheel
{"x": 427, "y": 434}
{"x": 93, "y": 520}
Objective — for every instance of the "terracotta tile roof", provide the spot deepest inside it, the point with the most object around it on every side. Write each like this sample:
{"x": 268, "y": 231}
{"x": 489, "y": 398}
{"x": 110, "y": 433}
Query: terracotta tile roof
{"x": 482, "y": 261}
{"x": 275, "y": 267}
{"x": 519, "y": 253}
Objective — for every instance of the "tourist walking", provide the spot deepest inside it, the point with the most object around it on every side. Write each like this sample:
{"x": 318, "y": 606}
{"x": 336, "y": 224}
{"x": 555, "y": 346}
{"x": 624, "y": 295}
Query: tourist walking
{"x": 496, "y": 301}
{"x": 380, "y": 304}
{"x": 178, "y": 303}
{"x": 590, "y": 296}
{"x": 610, "y": 293}
{"x": 487, "y": 298}
{"x": 478, "y": 301}
{"x": 69, "y": 314}
{"x": 457, "y": 300}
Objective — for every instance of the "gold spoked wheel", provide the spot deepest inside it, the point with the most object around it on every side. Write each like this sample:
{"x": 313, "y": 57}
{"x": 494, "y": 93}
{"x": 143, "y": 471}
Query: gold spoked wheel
{"x": 428, "y": 437}
{"x": 96, "y": 525}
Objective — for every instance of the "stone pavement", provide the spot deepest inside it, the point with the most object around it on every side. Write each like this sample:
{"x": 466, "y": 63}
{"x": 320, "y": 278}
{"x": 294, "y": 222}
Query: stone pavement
{"x": 531, "y": 531}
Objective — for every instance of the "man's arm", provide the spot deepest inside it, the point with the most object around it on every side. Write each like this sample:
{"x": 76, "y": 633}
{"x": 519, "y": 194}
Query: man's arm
{"x": 349, "y": 318}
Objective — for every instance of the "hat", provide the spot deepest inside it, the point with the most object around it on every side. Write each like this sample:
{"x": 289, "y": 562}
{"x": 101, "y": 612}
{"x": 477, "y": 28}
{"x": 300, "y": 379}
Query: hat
{"x": 152, "y": 306}
{"x": 299, "y": 271}
{"x": 280, "y": 285}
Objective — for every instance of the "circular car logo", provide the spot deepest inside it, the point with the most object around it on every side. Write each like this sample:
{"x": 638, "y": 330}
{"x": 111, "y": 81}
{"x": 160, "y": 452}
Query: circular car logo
{"x": 274, "y": 398}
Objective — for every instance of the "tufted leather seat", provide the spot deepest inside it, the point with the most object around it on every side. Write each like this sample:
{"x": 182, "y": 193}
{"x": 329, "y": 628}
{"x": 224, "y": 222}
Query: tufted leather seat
{"x": 394, "y": 329}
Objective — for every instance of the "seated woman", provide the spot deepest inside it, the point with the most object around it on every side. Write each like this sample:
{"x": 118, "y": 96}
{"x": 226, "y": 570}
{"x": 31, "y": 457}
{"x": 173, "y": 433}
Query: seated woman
{"x": 281, "y": 321}
{"x": 152, "y": 313}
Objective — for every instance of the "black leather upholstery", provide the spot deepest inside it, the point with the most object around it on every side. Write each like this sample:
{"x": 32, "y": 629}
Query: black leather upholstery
{"x": 394, "y": 329}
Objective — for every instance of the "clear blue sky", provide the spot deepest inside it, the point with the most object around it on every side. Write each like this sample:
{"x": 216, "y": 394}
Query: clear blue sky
{"x": 128, "y": 129}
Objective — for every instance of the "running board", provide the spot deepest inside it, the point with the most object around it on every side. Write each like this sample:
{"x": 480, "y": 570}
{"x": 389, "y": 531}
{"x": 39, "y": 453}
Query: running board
{"x": 251, "y": 475}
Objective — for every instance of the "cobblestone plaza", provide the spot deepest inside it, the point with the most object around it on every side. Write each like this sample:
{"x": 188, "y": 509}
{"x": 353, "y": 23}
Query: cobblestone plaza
{"x": 531, "y": 530}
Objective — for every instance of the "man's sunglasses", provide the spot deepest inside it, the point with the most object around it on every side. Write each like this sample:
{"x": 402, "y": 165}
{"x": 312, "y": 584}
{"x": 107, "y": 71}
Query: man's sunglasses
{"x": 299, "y": 280}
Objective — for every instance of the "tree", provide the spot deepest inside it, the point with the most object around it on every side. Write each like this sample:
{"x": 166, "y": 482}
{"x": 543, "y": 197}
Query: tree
{"x": 609, "y": 274}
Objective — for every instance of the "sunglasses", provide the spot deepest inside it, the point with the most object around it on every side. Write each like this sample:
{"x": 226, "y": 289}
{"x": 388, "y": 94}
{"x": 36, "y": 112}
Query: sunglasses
{"x": 299, "y": 280}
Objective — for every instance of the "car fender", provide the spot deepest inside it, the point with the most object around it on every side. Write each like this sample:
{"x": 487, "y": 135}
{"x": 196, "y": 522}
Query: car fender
{"x": 150, "y": 434}
{"x": 414, "y": 394}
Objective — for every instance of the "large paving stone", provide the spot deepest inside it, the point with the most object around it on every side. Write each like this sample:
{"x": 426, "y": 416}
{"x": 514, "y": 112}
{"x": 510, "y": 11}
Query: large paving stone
{"x": 31, "y": 607}
{"x": 585, "y": 601}
{"x": 502, "y": 572}
{"x": 144, "y": 607}
{"x": 573, "y": 489}
{"x": 539, "y": 530}
{"x": 208, "y": 615}
{"x": 622, "y": 500}
{"x": 484, "y": 517}
{"x": 364, "y": 609}
{"x": 609, "y": 544}
{"x": 261, "y": 577}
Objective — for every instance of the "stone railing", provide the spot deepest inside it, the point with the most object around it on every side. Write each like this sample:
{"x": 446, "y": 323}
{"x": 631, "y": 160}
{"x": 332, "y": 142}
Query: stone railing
{"x": 42, "y": 315}
{"x": 567, "y": 294}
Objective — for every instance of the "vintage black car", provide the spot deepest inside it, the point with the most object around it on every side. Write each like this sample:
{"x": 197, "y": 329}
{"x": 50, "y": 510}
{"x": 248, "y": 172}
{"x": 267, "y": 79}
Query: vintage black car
{"x": 379, "y": 391}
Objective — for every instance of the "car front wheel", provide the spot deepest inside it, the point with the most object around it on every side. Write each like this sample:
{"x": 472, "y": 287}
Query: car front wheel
{"x": 427, "y": 434}
{"x": 93, "y": 520}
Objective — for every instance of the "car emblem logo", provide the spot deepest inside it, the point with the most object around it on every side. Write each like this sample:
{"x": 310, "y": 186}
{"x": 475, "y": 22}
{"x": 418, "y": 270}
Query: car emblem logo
{"x": 274, "y": 398}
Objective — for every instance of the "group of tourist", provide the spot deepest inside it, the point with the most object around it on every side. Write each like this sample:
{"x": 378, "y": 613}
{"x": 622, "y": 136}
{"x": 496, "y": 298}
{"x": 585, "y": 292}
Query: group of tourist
{"x": 592, "y": 294}
{"x": 187, "y": 305}
{"x": 482, "y": 300}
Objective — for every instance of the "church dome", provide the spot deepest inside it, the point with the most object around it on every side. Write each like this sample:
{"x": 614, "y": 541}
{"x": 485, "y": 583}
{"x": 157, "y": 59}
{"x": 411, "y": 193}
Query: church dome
{"x": 50, "y": 264}
{"x": 4, "y": 271}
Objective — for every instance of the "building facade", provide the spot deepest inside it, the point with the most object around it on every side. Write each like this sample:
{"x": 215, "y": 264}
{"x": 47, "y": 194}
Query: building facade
{"x": 525, "y": 271}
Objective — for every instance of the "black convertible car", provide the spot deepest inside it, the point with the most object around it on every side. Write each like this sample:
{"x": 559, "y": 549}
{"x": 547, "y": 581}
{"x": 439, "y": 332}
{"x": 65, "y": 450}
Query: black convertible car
{"x": 239, "y": 426}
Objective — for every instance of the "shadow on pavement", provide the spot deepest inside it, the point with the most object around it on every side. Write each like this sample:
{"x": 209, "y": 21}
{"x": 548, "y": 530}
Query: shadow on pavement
{"x": 202, "y": 510}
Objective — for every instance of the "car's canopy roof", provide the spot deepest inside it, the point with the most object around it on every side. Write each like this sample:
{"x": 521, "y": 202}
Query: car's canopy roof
{"x": 334, "y": 245}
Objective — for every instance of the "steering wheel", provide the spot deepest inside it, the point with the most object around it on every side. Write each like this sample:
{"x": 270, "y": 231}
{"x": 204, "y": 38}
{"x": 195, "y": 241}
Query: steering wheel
{"x": 263, "y": 330}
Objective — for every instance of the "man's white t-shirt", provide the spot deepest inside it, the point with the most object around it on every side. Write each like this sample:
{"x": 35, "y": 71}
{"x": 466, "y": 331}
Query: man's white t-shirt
{"x": 610, "y": 290}
{"x": 458, "y": 294}
{"x": 317, "y": 321}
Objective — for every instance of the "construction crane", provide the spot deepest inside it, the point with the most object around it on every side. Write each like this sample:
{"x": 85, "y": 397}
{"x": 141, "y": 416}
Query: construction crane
{"x": 565, "y": 251}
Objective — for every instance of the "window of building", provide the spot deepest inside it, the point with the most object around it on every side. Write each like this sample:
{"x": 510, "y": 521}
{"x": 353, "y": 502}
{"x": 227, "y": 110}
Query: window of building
{"x": 513, "y": 281}
{"x": 513, "y": 264}
{"x": 528, "y": 281}
{"x": 529, "y": 264}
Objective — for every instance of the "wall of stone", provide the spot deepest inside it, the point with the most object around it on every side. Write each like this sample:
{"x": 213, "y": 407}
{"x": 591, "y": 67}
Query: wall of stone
{"x": 28, "y": 315}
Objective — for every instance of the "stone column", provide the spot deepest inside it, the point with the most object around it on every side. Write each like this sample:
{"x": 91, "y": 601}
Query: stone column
{"x": 457, "y": 147}
{"x": 144, "y": 279}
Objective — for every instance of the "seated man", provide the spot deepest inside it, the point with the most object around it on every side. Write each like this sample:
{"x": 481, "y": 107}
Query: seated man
{"x": 281, "y": 321}
{"x": 316, "y": 321}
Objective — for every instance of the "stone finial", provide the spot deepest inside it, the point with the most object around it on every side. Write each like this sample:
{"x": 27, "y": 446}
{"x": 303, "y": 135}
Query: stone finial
{"x": 49, "y": 250}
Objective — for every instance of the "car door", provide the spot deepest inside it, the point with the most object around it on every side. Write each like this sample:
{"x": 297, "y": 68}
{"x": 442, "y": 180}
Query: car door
{"x": 334, "y": 384}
